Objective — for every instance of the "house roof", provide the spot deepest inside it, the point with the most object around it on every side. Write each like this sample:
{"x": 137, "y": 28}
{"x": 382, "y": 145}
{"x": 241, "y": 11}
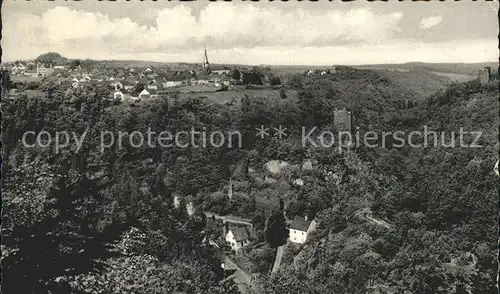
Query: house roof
{"x": 299, "y": 223}
{"x": 203, "y": 77}
{"x": 128, "y": 82}
{"x": 240, "y": 233}
{"x": 219, "y": 67}
{"x": 145, "y": 92}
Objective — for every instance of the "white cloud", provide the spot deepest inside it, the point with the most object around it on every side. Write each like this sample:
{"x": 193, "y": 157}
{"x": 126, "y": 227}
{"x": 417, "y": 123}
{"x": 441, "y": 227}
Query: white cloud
{"x": 219, "y": 25}
{"x": 429, "y": 22}
{"x": 233, "y": 34}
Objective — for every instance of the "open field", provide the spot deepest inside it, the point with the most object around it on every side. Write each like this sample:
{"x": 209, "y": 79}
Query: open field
{"x": 196, "y": 89}
{"x": 423, "y": 83}
{"x": 457, "y": 68}
{"x": 238, "y": 94}
{"x": 460, "y": 78}
{"x": 25, "y": 79}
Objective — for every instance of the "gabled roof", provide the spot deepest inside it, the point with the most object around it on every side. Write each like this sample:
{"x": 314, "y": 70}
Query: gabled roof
{"x": 144, "y": 92}
{"x": 299, "y": 223}
{"x": 240, "y": 233}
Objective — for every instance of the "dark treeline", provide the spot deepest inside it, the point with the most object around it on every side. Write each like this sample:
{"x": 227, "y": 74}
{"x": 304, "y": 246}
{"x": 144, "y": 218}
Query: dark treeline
{"x": 105, "y": 221}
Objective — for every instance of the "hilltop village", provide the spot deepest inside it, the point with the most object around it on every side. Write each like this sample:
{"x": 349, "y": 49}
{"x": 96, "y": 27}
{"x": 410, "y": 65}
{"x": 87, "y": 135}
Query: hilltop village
{"x": 133, "y": 83}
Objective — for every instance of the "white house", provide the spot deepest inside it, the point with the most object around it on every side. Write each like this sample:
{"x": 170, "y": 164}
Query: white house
{"x": 118, "y": 95}
{"x": 237, "y": 237}
{"x": 14, "y": 69}
{"x": 59, "y": 67}
{"x": 18, "y": 69}
{"x": 300, "y": 228}
{"x": 43, "y": 71}
{"x": 128, "y": 85}
{"x": 144, "y": 94}
{"x": 202, "y": 81}
{"x": 171, "y": 84}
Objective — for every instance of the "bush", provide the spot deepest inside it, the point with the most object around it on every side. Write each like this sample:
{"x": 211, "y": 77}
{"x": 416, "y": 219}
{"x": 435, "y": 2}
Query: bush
{"x": 275, "y": 81}
{"x": 295, "y": 82}
{"x": 282, "y": 93}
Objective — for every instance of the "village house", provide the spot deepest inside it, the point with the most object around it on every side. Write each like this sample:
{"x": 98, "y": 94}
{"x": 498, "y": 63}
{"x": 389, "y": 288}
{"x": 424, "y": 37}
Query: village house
{"x": 226, "y": 81}
{"x": 153, "y": 85}
{"x": 300, "y": 228}
{"x": 45, "y": 71}
{"x": 59, "y": 67}
{"x": 214, "y": 81}
{"x": 18, "y": 69}
{"x": 203, "y": 80}
{"x": 220, "y": 70}
{"x": 40, "y": 71}
{"x": 144, "y": 94}
{"x": 148, "y": 94}
{"x": 117, "y": 85}
{"x": 171, "y": 84}
{"x": 237, "y": 237}
{"x": 118, "y": 95}
{"x": 128, "y": 85}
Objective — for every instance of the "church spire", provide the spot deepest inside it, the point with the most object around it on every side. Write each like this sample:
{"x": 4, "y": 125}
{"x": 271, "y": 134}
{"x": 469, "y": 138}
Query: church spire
{"x": 205, "y": 59}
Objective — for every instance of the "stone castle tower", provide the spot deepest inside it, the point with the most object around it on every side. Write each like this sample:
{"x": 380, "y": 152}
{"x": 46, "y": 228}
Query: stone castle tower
{"x": 342, "y": 120}
{"x": 484, "y": 75}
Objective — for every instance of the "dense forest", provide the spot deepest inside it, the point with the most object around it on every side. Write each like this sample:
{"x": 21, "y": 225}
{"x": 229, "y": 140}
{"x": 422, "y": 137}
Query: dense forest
{"x": 104, "y": 222}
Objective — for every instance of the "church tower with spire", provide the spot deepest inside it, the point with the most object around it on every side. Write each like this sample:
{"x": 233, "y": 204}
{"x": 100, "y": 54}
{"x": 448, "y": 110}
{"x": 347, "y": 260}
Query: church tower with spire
{"x": 205, "y": 63}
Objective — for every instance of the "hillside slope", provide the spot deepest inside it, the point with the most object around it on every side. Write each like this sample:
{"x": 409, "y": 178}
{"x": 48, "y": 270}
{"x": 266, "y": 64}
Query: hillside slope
{"x": 421, "y": 82}
{"x": 441, "y": 204}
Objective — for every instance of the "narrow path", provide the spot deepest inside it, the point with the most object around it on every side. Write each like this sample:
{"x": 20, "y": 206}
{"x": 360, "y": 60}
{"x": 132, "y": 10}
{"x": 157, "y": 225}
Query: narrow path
{"x": 241, "y": 278}
{"x": 277, "y": 260}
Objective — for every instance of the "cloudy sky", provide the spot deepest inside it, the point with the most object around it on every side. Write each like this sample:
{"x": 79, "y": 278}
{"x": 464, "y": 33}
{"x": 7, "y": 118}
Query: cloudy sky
{"x": 301, "y": 33}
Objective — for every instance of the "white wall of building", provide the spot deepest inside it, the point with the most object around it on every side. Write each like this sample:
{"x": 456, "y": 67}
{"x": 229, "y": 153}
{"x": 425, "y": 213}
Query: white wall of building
{"x": 297, "y": 236}
{"x": 232, "y": 242}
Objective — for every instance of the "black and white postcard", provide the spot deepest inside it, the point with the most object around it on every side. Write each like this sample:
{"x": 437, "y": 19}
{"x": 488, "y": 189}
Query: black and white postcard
{"x": 272, "y": 147}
